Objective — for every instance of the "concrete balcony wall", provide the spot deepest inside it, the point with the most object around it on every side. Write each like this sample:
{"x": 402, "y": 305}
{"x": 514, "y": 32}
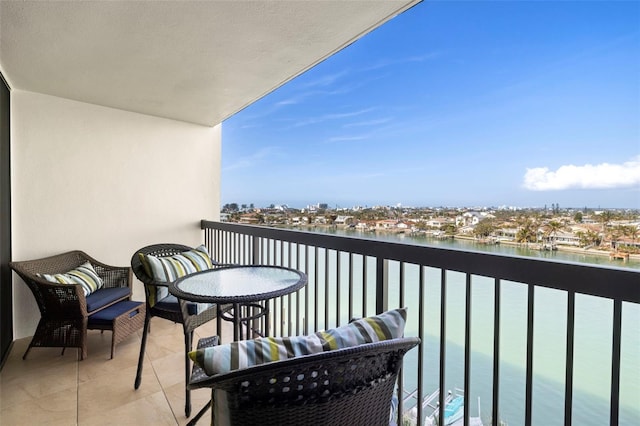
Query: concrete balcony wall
{"x": 104, "y": 181}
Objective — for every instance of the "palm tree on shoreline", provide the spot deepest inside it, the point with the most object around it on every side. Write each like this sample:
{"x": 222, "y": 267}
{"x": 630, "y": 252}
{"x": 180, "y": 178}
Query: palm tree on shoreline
{"x": 605, "y": 218}
{"x": 528, "y": 231}
{"x": 623, "y": 230}
{"x": 588, "y": 238}
{"x": 551, "y": 230}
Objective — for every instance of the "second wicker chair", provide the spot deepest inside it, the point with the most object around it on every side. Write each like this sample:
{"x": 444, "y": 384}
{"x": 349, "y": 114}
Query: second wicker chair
{"x": 168, "y": 308}
{"x": 352, "y": 386}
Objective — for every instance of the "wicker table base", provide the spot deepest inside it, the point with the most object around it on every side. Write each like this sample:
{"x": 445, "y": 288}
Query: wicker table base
{"x": 122, "y": 319}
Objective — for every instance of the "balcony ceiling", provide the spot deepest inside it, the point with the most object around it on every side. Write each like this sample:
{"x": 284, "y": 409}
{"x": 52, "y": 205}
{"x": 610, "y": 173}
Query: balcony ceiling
{"x": 195, "y": 61}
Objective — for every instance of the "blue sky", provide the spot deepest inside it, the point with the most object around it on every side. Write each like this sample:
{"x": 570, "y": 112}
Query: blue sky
{"x": 454, "y": 103}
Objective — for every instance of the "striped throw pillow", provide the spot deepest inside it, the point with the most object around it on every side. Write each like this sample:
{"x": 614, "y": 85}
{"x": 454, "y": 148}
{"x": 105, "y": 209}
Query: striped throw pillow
{"x": 170, "y": 268}
{"x": 84, "y": 275}
{"x": 236, "y": 355}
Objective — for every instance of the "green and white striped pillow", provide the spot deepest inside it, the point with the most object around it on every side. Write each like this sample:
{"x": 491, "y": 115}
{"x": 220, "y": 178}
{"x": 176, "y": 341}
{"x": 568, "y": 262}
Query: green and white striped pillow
{"x": 236, "y": 355}
{"x": 170, "y": 268}
{"x": 84, "y": 275}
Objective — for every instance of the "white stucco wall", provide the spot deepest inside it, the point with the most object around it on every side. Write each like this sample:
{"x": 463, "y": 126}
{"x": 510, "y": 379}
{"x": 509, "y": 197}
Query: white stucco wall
{"x": 104, "y": 181}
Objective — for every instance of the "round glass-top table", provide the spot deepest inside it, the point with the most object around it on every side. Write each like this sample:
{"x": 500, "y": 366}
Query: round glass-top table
{"x": 238, "y": 286}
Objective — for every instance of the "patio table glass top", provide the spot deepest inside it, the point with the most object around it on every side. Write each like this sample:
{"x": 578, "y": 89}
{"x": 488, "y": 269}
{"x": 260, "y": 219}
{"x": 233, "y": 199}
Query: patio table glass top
{"x": 238, "y": 284}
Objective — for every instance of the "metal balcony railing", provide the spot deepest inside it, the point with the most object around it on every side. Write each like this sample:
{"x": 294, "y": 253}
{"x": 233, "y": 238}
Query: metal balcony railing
{"x": 450, "y": 292}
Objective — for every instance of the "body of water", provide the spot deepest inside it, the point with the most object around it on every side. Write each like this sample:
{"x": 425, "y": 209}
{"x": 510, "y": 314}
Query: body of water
{"x": 593, "y": 339}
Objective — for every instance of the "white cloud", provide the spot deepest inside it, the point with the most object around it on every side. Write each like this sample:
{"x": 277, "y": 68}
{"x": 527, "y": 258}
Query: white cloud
{"x": 348, "y": 114}
{"x": 599, "y": 176}
{"x": 383, "y": 63}
{"x": 290, "y": 101}
{"x": 253, "y": 159}
{"x": 369, "y": 123}
{"x": 326, "y": 80}
{"x": 348, "y": 138}
{"x": 335, "y": 116}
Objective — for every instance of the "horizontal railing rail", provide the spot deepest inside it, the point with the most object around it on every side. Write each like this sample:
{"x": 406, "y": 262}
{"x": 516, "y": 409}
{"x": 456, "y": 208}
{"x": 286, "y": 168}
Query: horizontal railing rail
{"x": 352, "y": 276}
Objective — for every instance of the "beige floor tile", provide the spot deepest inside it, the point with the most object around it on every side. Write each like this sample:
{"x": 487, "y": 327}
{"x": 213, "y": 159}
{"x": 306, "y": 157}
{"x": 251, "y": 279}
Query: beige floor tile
{"x": 149, "y": 410}
{"x": 59, "y": 408}
{"x": 170, "y": 370}
{"x": 11, "y": 394}
{"x": 44, "y": 372}
{"x": 164, "y": 340}
{"x": 99, "y": 362}
{"x": 112, "y": 390}
{"x": 38, "y": 378}
{"x": 176, "y": 398}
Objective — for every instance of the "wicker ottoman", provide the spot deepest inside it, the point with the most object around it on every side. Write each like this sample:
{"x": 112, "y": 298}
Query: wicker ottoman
{"x": 122, "y": 318}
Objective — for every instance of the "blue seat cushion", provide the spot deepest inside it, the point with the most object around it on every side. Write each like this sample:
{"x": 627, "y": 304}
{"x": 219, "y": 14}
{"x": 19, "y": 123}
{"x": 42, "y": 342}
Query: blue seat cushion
{"x": 106, "y": 316}
{"x": 170, "y": 303}
{"x": 105, "y": 296}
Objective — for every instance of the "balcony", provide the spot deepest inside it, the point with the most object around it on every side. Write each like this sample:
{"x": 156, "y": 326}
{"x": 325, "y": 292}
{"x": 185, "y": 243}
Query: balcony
{"x": 453, "y": 297}
{"x": 121, "y": 103}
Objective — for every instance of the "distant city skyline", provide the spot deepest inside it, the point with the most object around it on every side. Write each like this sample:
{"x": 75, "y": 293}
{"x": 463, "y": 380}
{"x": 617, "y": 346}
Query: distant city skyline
{"x": 455, "y": 104}
{"x": 335, "y": 206}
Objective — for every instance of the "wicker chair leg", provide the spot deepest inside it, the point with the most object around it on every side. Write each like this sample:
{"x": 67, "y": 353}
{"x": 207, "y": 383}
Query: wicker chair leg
{"x": 219, "y": 324}
{"x": 197, "y": 417}
{"x": 187, "y": 347}
{"x": 26, "y": 352}
{"x": 143, "y": 345}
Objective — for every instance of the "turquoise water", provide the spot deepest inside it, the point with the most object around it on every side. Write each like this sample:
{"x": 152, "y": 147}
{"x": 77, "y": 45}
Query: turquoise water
{"x": 593, "y": 339}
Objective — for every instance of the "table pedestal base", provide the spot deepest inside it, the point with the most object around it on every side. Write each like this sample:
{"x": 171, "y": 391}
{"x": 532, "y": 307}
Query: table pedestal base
{"x": 247, "y": 314}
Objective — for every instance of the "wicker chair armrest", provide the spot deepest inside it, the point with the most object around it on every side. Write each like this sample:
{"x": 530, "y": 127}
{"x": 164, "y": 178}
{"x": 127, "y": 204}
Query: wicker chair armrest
{"x": 154, "y": 283}
{"x": 193, "y": 321}
{"x": 60, "y": 300}
{"x": 112, "y": 276}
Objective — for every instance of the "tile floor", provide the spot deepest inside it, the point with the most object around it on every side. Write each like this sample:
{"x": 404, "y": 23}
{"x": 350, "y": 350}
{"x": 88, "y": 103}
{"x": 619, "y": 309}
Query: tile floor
{"x": 52, "y": 389}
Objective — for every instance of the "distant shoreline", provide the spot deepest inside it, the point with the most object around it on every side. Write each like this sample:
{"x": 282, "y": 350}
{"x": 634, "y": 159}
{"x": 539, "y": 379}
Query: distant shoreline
{"x": 560, "y": 247}
{"x": 570, "y": 249}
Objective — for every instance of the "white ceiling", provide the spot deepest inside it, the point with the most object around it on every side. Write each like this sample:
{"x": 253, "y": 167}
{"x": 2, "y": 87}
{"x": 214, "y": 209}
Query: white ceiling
{"x": 195, "y": 61}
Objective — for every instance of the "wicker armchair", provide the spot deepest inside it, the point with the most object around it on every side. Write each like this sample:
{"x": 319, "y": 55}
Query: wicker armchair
{"x": 352, "y": 386}
{"x": 63, "y": 307}
{"x": 168, "y": 308}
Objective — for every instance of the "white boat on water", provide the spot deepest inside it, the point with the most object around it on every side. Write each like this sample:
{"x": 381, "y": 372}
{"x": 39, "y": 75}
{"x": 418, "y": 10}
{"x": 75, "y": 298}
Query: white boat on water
{"x": 453, "y": 410}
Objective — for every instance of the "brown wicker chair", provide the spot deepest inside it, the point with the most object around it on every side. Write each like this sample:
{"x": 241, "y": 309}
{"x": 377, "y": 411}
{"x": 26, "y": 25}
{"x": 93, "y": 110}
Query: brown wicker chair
{"x": 352, "y": 386}
{"x": 64, "y": 308}
{"x": 170, "y": 309}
